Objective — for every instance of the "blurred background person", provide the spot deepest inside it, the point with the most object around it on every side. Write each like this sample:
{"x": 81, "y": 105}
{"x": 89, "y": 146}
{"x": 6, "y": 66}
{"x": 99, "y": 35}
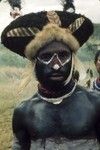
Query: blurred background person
{"x": 15, "y": 8}
{"x": 96, "y": 82}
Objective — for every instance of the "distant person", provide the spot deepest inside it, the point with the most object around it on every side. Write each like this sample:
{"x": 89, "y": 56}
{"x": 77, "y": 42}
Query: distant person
{"x": 89, "y": 73}
{"x": 96, "y": 83}
{"x": 76, "y": 75}
{"x": 16, "y": 8}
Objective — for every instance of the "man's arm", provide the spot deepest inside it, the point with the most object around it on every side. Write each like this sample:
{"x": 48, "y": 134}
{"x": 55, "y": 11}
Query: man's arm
{"x": 21, "y": 138}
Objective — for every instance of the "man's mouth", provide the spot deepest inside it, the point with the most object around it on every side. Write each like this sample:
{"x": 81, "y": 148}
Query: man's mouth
{"x": 56, "y": 76}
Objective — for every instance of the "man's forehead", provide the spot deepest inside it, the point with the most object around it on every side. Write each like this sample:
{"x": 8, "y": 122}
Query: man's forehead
{"x": 54, "y": 46}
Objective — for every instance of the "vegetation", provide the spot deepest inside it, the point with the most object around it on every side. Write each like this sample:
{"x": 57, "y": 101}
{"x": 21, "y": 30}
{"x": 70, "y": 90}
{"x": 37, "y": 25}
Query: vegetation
{"x": 8, "y": 58}
{"x": 96, "y": 34}
{"x": 14, "y": 87}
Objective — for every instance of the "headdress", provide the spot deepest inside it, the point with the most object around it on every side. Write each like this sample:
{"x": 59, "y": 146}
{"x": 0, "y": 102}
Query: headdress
{"x": 28, "y": 33}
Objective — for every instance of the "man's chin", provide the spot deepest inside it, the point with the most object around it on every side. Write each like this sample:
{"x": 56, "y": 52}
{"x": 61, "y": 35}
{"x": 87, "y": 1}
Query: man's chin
{"x": 53, "y": 83}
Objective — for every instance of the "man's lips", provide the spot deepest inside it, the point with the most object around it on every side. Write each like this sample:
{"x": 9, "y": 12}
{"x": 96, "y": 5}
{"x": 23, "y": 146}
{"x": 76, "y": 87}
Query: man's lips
{"x": 56, "y": 76}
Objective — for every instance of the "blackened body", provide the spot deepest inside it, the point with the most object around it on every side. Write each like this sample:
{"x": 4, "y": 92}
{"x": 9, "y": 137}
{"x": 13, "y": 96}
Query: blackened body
{"x": 75, "y": 118}
{"x": 65, "y": 124}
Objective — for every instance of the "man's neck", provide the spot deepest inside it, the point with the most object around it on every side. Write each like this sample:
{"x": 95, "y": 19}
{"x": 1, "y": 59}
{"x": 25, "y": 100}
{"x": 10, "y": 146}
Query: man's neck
{"x": 56, "y": 91}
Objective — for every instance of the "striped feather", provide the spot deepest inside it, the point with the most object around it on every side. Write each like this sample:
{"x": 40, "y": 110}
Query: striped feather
{"x": 22, "y": 32}
{"x": 76, "y": 24}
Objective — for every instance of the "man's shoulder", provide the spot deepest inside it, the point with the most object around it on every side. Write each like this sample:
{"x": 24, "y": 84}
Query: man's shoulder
{"x": 26, "y": 104}
{"x": 23, "y": 110}
{"x": 91, "y": 95}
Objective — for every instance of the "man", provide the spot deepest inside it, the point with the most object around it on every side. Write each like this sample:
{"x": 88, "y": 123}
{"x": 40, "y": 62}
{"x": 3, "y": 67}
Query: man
{"x": 61, "y": 115}
{"x": 96, "y": 83}
{"x": 68, "y": 5}
{"x": 16, "y": 8}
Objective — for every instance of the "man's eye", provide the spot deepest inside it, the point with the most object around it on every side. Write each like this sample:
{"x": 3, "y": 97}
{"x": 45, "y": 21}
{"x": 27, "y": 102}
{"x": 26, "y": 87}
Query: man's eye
{"x": 45, "y": 57}
{"x": 64, "y": 55}
{"x": 61, "y": 55}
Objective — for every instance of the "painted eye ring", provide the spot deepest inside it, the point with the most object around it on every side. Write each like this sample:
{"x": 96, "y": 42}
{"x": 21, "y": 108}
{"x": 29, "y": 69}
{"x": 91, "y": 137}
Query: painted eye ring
{"x": 45, "y": 57}
{"x": 64, "y": 55}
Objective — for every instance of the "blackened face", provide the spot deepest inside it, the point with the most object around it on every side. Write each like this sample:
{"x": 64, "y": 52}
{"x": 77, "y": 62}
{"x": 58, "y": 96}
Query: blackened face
{"x": 53, "y": 64}
{"x": 98, "y": 64}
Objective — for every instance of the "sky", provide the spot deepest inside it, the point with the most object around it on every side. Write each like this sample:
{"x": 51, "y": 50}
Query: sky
{"x": 89, "y": 8}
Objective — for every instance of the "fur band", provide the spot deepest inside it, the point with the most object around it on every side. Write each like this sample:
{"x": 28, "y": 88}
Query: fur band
{"x": 50, "y": 33}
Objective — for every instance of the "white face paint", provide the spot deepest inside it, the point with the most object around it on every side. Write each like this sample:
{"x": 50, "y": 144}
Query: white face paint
{"x": 56, "y": 67}
{"x": 60, "y": 63}
{"x": 56, "y": 60}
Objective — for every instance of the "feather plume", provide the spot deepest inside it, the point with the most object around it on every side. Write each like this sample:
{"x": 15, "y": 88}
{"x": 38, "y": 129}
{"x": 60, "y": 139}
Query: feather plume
{"x": 68, "y": 5}
{"x": 15, "y": 3}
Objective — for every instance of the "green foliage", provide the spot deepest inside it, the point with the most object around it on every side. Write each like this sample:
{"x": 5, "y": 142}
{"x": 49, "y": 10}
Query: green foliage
{"x": 88, "y": 50}
{"x": 8, "y": 58}
{"x": 96, "y": 34}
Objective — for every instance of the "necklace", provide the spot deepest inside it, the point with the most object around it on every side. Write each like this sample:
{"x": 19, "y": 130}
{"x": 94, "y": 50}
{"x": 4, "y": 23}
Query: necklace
{"x": 58, "y": 100}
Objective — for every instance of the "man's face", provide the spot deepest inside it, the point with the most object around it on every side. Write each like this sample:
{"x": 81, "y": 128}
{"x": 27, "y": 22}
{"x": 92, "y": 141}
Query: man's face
{"x": 53, "y": 64}
{"x": 98, "y": 65}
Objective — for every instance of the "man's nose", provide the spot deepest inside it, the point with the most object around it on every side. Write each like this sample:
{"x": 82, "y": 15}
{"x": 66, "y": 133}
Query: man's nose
{"x": 55, "y": 63}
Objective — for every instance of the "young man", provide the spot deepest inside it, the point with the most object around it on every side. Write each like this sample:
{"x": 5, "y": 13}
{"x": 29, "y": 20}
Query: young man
{"x": 61, "y": 115}
{"x": 96, "y": 83}
{"x": 16, "y": 8}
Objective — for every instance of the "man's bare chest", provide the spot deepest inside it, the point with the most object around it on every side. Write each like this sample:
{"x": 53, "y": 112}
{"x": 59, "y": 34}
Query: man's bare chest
{"x": 73, "y": 120}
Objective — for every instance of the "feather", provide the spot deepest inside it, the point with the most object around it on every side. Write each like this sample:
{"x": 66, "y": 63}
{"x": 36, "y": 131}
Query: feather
{"x": 15, "y": 3}
{"x": 68, "y": 5}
